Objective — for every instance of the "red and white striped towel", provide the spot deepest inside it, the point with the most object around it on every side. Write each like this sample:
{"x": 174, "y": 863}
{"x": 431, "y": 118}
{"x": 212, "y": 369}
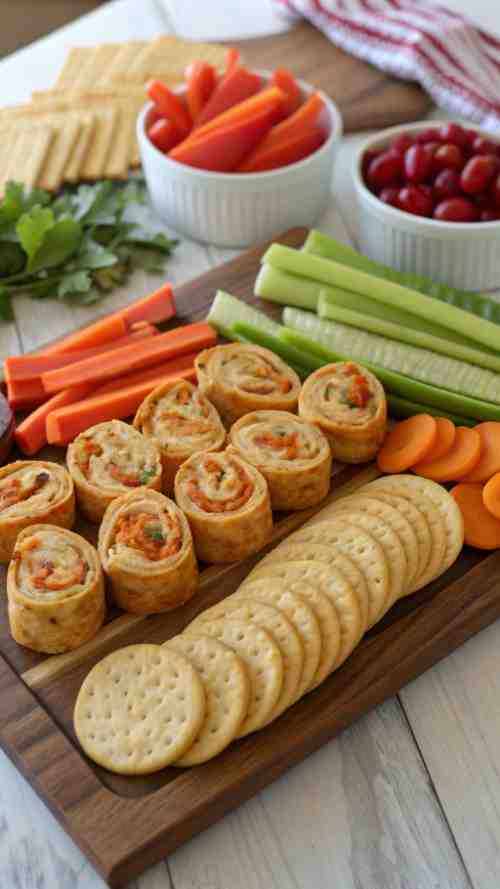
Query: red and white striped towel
{"x": 457, "y": 63}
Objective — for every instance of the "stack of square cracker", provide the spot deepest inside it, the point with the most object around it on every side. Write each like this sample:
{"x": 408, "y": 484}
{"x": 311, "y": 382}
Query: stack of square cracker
{"x": 83, "y": 129}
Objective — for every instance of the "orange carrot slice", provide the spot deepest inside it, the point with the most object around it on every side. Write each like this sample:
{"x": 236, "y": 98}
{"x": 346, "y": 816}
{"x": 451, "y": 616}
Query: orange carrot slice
{"x": 64, "y": 424}
{"x": 489, "y": 461}
{"x": 31, "y": 434}
{"x": 481, "y": 528}
{"x": 118, "y": 362}
{"x": 445, "y": 436}
{"x": 154, "y": 308}
{"x": 460, "y": 459}
{"x": 24, "y": 394}
{"x": 407, "y": 443}
{"x": 491, "y": 495}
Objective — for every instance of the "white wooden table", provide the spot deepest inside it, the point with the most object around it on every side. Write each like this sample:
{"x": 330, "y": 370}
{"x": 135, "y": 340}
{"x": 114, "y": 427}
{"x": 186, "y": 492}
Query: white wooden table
{"x": 409, "y": 797}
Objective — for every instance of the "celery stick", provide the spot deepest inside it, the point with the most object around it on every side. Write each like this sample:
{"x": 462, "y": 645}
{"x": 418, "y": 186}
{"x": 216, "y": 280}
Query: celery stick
{"x": 288, "y": 353}
{"x": 308, "y": 266}
{"x": 304, "y": 336}
{"x": 323, "y": 245}
{"x": 406, "y": 335}
{"x": 279, "y": 287}
{"x": 227, "y": 309}
{"x": 401, "y": 407}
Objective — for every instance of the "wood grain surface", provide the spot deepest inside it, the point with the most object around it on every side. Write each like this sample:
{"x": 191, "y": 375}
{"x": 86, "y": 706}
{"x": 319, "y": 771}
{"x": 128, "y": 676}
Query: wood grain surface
{"x": 125, "y": 824}
{"x": 367, "y": 97}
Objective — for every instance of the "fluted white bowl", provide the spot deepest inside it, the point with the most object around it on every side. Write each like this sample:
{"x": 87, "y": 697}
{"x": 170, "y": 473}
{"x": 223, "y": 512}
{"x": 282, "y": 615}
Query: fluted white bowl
{"x": 239, "y": 209}
{"x": 465, "y": 255}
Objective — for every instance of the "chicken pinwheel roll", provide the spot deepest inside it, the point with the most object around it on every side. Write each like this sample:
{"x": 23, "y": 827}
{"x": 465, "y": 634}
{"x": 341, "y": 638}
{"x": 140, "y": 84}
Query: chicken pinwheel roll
{"x": 33, "y": 491}
{"x": 239, "y": 378}
{"x": 227, "y": 505}
{"x": 146, "y": 550}
{"x": 55, "y": 590}
{"x": 293, "y": 456}
{"x": 348, "y": 404}
{"x": 183, "y": 422}
{"x": 109, "y": 460}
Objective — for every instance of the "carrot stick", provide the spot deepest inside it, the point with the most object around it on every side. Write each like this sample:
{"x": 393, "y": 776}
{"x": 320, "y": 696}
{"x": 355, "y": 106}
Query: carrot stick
{"x": 104, "y": 331}
{"x": 31, "y": 434}
{"x": 64, "y": 424}
{"x": 280, "y": 154}
{"x": 407, "y": 442}
{"x": 23, "y": 394}
{"x": 284, "y": 79}
{"x": 481, "y": 528}
{"x": 297, "y": 124}
{"x": 169, "y": 105}
{"x": 158, "y": 306}
{"x": 269, "y": 98}
{"x": 137, "y": 377}
{"x": 489, "y": 461}
{"x": 30, "y": 367}
{"x": 445, "y": 436}
{"x": 237, "y": 85}
{"x": 201, "y": 81}
{"x": 120, "y": 361}
{"x": 491, "y": 495}
{"x": 460, "y": 459}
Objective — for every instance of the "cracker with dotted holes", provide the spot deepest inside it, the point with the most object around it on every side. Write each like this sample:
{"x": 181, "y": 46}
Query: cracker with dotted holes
{"x": 399, "y": 524}
{"x": 363, "y": 548}
{"x": 380, "y": 529}
{"x": 301, "y": 615}
{"x": 139, "y": 709}
{"x": 416, "y": 519}
{"x": 327, "y": 581}
{"x": 325, "y": 614}
{"x": 325, "y": 555}
{"x": 281, "y": 629}
{"x": 418, "y": 490}
{"x": 262, "y": 658}
{"x": 227, "y": 691}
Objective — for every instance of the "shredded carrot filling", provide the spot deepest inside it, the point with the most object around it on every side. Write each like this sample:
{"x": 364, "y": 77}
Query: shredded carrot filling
{"x": 12, "y": 492}
{"x": 90, "y": 449}
{"x": 240, "y": 486}
{"x": 130, "y": 480}
{"x": 278, "y": 442}
{"x": 185, "y": 425}
{"x": 154, "y": 538}
{"x": 49, "y": 577}
{"x": 267, "y": 380}
{"x": 178, "y": 420}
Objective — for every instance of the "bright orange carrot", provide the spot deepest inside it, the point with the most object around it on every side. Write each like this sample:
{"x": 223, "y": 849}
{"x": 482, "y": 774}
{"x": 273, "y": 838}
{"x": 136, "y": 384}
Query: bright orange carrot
{"x": 25, "y": 394}
{"x": 104, "y": 331}
{"x": 481, "y": 528}
{"x": 140, "y": 377}
{"x": 64, "y": 424}
{"x": 407, "y": 442}
{"x": 280, "y": 154}
{"x": 460, "y": 459}
{"x": 31, "y": 434}
{"x": 30, "y": 367}
{"x": 121, "y": 361}
{"x": 236, "y": 86}
{"x": 445, "y": 436}
{"x": 272, "y": 97}
{"x": 491, "y": 495}
{"x": 284, "y": 79}
{"x": 489, "y": 461}
{"x": 223, "y": 149}
{"x": 306, "y": 116}
{"x": 154, "y": 308}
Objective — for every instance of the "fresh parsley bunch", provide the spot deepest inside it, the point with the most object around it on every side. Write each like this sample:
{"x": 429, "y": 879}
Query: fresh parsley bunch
{"x": 76, "y": 246}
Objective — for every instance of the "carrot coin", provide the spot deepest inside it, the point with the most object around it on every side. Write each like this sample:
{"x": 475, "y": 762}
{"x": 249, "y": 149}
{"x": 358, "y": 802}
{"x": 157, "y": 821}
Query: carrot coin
{"x": 481, "y": 528}
{"x": 407, "y": 443}
{"x": 461, "y": 459}
{"x": 445, "y": 436}
{"x": 489, "y": 461}
{"x": 491, "y": 495}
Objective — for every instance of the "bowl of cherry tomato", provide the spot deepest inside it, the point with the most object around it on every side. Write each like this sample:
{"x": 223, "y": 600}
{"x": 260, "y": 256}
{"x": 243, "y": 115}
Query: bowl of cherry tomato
{"x": 429, "y": 202}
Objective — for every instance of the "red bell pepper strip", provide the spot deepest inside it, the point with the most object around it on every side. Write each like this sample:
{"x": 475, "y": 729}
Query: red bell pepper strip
{"x": 223, "y": 149}
{"x": 169, "y": 105}
{"x": 271, "y": 98}
{"x": 236, "y": 86}
{"x": 286, "y": 81}
{"x": 164, "y": 135}
{"x": 280, "y": 154}
{"x": 201, "y": 81}
{"x": 232, "y": 59}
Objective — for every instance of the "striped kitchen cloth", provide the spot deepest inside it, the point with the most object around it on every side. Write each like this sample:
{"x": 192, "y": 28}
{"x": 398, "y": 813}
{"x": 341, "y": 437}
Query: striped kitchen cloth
{"x": 457, "y": 63}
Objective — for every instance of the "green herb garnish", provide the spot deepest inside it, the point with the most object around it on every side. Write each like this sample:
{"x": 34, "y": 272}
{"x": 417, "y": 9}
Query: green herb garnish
{"x": 154, "y": 532}
{"x": 77, "y": 246}
{"x": 146, "y": 476}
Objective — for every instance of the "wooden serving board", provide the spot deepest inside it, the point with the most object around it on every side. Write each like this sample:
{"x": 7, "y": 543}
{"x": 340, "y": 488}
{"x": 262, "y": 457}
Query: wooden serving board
{"x": 125, "y": 824}
{"x": 367, "y": 97}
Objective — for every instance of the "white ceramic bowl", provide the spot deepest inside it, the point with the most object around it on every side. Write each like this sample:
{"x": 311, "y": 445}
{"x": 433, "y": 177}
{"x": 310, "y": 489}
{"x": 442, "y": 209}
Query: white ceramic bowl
{"x": 465, "y": 255}
{"x": 239, "y": 209}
